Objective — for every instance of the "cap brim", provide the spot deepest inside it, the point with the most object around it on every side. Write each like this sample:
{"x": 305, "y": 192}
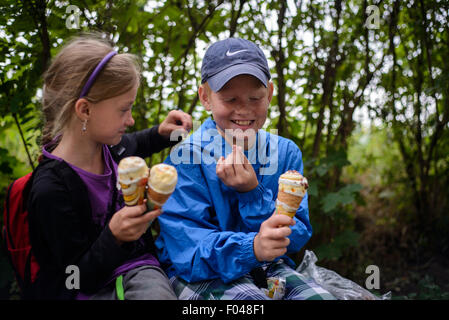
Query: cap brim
{"x": 216, "y": 82}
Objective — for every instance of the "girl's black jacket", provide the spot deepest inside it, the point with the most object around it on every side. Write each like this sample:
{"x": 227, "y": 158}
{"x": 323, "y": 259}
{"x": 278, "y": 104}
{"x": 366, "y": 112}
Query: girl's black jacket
{"x": 62, "y": 231}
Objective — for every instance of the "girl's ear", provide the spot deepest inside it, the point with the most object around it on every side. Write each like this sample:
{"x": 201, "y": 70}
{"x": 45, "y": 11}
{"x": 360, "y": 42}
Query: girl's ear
{"x": 204, "y": 95}
{"x": 82, "y": 109}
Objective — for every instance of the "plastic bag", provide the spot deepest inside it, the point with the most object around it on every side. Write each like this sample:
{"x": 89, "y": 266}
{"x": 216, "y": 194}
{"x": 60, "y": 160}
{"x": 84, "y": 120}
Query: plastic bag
{"x": 339, "y": 287}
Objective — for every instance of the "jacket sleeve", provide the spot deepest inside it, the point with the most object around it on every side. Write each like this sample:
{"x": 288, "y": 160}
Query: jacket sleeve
{"x": 191, "y": 238}
{"x": 141, "y": 143}
{"x": 59, "y": 237}
{"x": 302, "y": 230}
{"x": 256, "y": 206}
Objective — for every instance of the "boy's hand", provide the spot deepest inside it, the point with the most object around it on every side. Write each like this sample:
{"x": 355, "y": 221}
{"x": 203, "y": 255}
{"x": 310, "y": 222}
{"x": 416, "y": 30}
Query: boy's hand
{"x": 235, "y": 171}
{"x": 130, "y": 223}
{"x": 176, "y": 120}
{"x": 271, "y": 241}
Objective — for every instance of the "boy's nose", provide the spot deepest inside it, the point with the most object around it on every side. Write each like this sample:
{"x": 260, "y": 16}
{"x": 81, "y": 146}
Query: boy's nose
{"x": 242, "y": 108}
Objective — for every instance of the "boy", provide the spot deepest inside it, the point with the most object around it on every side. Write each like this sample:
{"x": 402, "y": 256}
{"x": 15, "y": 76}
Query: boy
{"x": 220, "y": 238}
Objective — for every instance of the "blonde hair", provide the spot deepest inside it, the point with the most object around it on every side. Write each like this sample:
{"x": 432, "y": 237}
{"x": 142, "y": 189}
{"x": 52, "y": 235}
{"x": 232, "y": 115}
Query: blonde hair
{"x": 70, "y": 70}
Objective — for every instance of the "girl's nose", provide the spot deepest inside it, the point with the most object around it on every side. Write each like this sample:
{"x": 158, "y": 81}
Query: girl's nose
{"x": 130, "y": 121}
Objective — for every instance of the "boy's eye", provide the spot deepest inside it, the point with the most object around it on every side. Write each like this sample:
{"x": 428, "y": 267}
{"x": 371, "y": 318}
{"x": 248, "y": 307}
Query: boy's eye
{"x": 254, "y": 98}
{"x": 229, "y": 100}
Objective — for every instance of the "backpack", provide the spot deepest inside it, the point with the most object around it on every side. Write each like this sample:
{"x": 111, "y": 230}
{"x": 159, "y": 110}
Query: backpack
{"x": 16, "y": 237}
{"x": 16, "y": 232}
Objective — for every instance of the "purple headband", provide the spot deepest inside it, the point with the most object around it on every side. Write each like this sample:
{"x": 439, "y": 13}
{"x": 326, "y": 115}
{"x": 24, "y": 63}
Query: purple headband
{"x": 94, "y": 74}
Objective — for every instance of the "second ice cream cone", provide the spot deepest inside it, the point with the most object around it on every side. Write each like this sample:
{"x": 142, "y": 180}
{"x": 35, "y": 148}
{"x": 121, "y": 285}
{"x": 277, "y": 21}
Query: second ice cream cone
{"x": 161, "y": 184}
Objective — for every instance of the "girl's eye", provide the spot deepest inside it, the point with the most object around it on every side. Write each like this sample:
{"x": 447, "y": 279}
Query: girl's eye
{"x": 127, "y": 109}
{"x": 254, "y": 98}
{"x": 230, "y": 100}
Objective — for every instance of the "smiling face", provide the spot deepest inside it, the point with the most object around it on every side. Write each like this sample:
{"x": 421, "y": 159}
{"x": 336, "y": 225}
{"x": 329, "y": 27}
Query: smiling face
{"x": 239, "y": 108}
{"x": 109, "y": 118}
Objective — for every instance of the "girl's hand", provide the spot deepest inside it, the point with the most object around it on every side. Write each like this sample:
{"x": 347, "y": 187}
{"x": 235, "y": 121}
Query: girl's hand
{"x": 176, "y": 120}
{"x": 235, "y": 171}
{"x": 130, "y": 223}
{"x": 271, "y": 241}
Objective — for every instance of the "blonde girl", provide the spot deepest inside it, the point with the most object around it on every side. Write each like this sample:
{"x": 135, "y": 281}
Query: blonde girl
{"x": 77, "y": 219}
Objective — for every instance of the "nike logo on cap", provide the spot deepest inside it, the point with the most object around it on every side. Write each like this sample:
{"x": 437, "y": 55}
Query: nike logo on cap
{"x": 229, "y": 53}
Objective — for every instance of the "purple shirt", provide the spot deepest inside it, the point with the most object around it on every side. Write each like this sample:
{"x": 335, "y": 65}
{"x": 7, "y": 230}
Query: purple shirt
{"x": 99, "y": 188}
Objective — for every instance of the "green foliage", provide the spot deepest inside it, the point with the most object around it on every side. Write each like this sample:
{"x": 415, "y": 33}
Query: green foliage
{"x": 345, "y": 195}
{"x": 334, "y": 250}
{"x": 427, "y": 289}
{"x": 328, "y": 70}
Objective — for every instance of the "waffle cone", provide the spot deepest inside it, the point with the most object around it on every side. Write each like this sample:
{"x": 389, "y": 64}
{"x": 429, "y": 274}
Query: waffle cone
{"x": 157, "y": 198}
{"x": 288, "y": 203}
{"x": 281, "y": 210}
{"x": 290, "y": 199}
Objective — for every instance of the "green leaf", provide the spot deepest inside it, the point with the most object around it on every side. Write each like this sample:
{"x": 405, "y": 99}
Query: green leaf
{"x": 345, "y": 195}
{"x": 335, "y": 249}
{"x": 313, "y": 188}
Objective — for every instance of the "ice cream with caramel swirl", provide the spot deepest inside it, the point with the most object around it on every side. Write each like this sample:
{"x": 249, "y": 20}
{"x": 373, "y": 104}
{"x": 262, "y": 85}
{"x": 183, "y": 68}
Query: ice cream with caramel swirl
{"x": 292, "y": 189}
{"x": 132, "y": 179}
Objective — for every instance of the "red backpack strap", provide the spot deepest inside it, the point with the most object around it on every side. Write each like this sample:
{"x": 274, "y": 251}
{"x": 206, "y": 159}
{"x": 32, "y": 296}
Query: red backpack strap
{"x": 16, "y": 233}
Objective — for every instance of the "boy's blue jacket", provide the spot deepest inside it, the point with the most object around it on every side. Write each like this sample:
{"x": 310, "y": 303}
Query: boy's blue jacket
{"x": 206, "y": 228}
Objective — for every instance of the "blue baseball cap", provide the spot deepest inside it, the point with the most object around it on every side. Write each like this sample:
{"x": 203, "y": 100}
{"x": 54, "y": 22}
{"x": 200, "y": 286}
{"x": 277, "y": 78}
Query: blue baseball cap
{"x": 229, "y": 58}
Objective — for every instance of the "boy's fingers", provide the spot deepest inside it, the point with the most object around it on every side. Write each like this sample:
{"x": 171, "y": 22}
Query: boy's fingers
{"x": 220, "y": 167}
{"x": 281, "y": 243}
{"x": 228, "y": 164}
{"x": 238, "y": 162}
{"x": 243, "y": 159}
{"x": 279, "y": 233}
{"x": 246, "y": 163}
{"x": 239, "y": 156}
{"x": 279, "y": 219}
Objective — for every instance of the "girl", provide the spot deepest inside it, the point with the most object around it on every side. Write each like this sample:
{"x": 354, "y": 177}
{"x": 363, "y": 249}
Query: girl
{"x": 77, "y": 217}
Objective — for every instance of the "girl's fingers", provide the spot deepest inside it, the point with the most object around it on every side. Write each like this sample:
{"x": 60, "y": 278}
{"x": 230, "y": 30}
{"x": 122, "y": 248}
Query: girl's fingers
{"x": 151, "y": 215}
{"x": 135, "y": 211}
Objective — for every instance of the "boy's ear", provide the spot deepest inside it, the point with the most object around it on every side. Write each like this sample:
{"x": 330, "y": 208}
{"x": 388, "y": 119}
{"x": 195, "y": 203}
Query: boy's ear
{"x": 204, "y": 96}
{"x": 82, "y": 110}
{"x": 270, "y": 91}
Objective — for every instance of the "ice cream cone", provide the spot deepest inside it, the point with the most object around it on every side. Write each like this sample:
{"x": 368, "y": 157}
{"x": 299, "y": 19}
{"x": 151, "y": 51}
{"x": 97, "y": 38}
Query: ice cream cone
{"x": 132, "y": 179}
{"x": 292, "y": 189}
{"x": 161, "y": 184}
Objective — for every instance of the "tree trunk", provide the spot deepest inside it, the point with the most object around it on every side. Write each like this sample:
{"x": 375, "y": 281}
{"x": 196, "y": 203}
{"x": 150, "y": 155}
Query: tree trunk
{"x": 279, "y": 56}
{"x": 328, "y": 82}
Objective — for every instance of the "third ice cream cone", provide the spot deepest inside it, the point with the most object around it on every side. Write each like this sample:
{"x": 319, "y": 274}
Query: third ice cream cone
{"x": 292, "y": 189}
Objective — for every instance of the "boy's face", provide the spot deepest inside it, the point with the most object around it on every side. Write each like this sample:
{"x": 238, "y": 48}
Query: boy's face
{"x": 239, "y": 108}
